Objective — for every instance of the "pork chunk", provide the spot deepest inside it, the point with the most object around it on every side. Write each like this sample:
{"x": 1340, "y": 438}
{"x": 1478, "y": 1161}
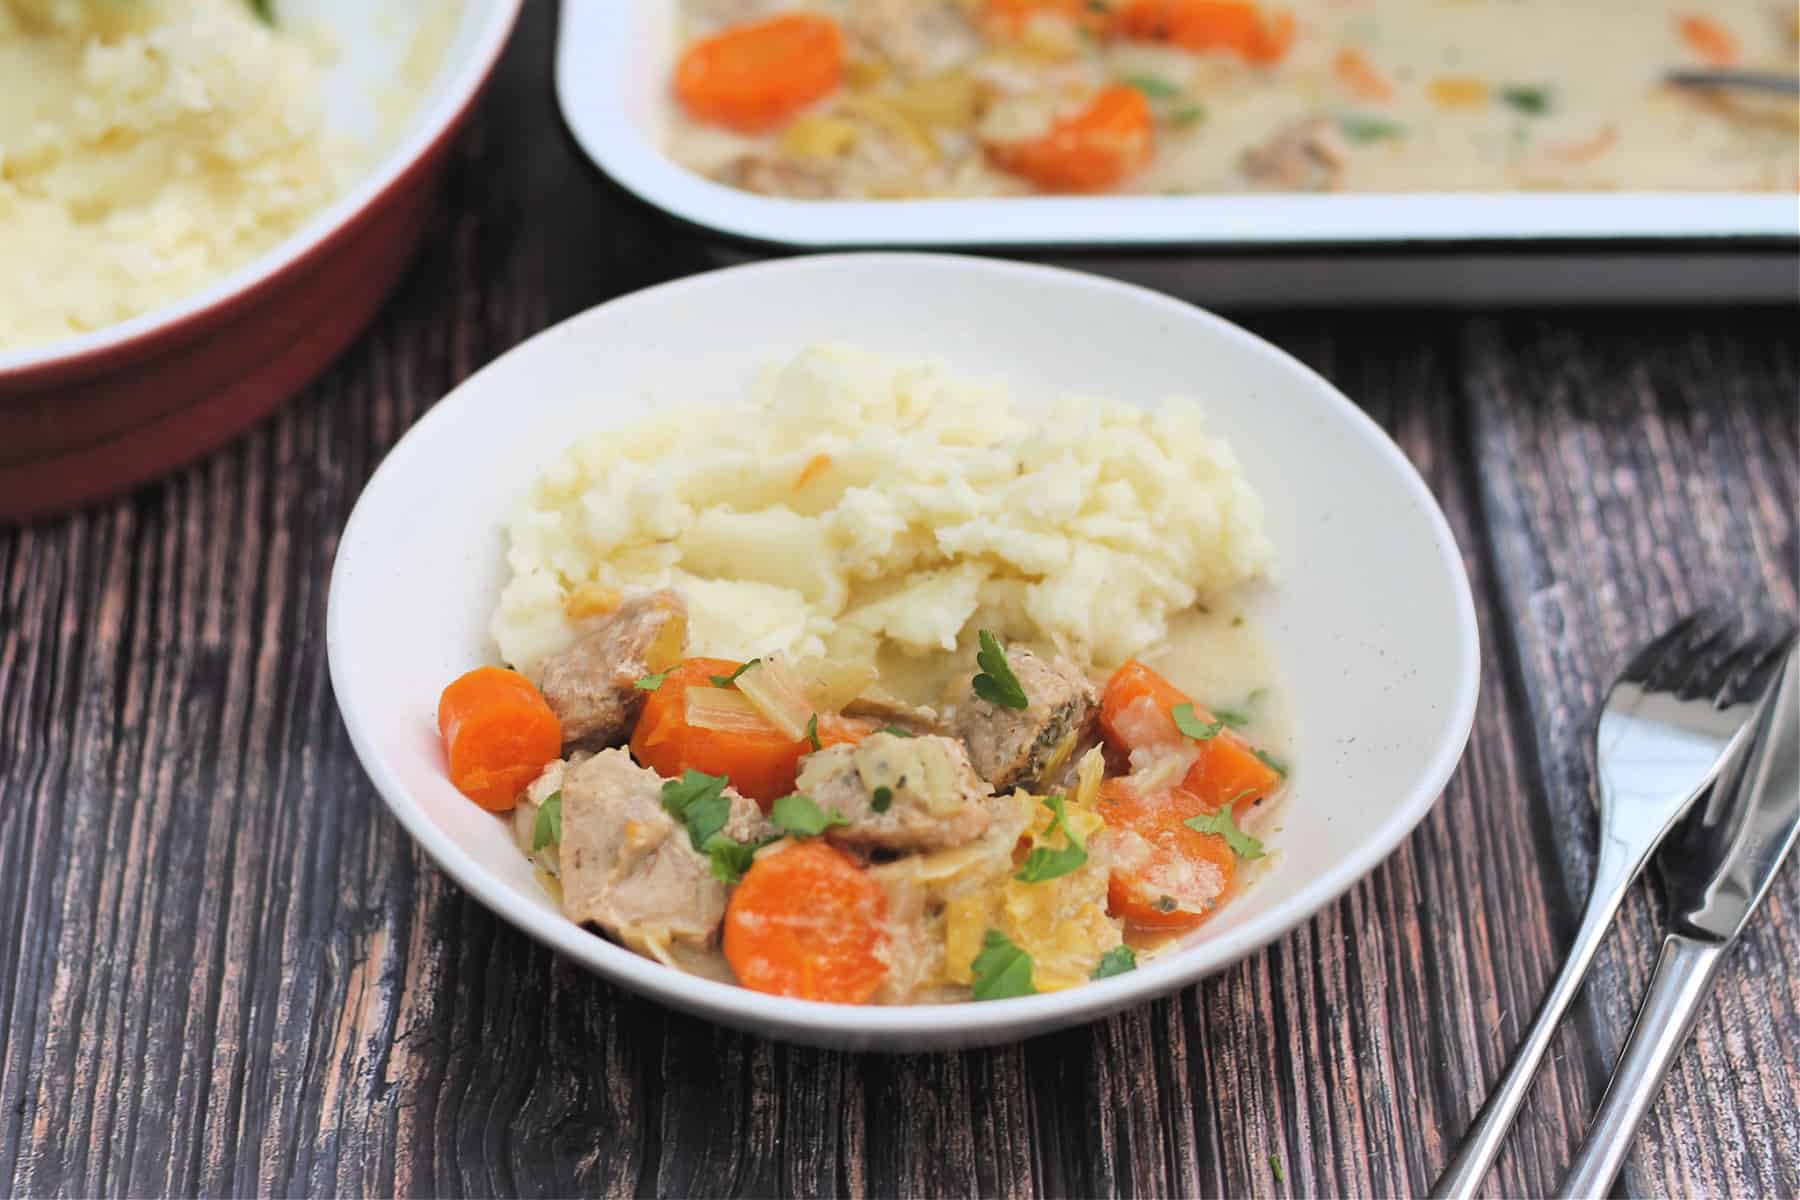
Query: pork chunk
{"x": 898, "y": 793}
{"x": 896, "y": 714}
{"x": 1306, "y": 156}
{"x": 1013, "y": 747}
{"x": 591, "y": 686}
{"x": 628, "y": 867}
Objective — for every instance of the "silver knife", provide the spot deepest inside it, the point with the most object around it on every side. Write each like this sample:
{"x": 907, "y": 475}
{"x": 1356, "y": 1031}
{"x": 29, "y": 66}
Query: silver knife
{"x": 1716, "y": 869}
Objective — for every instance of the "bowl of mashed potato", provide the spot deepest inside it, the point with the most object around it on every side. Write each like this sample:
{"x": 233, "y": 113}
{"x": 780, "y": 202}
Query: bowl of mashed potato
{"x": 201, "y": 203}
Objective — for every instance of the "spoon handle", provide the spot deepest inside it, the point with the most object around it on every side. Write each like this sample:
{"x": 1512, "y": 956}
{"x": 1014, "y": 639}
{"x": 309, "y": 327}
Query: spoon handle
{"x": 1613, "y": 873}
{"x": 1684, "y": 973}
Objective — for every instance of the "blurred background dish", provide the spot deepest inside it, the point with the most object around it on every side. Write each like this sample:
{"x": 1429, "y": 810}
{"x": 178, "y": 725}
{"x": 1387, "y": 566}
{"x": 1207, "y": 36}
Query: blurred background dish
{"x": 280, "y": 219}
{"x": 1401, "y": 244}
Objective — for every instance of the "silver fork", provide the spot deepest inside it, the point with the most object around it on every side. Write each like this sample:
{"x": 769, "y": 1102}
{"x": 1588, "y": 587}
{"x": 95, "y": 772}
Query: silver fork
{"x": 1660, "y": 743}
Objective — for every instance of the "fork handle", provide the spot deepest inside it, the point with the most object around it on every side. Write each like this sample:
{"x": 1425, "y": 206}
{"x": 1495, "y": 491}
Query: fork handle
{"x": 1684, "y": 974}
{"x": 1616, "y": 867}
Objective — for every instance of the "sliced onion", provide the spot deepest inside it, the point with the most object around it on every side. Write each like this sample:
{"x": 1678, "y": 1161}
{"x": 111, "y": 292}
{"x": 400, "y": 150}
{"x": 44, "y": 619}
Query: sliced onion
{"x": 725, "y": 710}
{"x": 779, "y": 694}
{"x": 1088, "y": 777}
{"x": 829, "y": 685}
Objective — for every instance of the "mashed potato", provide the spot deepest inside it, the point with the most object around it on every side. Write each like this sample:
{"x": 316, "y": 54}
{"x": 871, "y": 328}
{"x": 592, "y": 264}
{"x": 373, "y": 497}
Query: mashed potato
{"x": 146, "y": 147}
{"x": 858, "y": 506}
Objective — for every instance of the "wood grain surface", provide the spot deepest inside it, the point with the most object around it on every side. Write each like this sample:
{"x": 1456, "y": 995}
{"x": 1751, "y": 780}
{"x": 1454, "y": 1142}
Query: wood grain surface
{"x": 224, "y": 970}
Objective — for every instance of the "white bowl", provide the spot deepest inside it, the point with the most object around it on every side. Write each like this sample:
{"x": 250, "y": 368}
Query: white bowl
{"x": 1371, "y": 618}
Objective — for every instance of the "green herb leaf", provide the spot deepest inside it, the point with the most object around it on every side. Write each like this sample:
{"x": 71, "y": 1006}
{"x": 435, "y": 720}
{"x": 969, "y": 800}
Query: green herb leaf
{"x": 1151, "y": 86}
{"x": 1001, "y": 969}
{"x": 548, "y": 827}
{"x": 896, "y": 731}
{"x": 730, "y": 857}
{"x": 1192, "y": 726}
{"x": 1221, "y": 823}
{"x": 650, "y": 683}
{"x": 812, "y": 732}
{"x": 997, "y": 684}
{"x": 801, "y": 816}
{"x": 725, "y": 681}
{"x": 1116, "y": 961}
{"x": 1368, "y": 129}
{"x": 698, "y": 801}
{"x": 1234, "y": 718}
{"x": 881, "y": 799}
{"x": 264, "y": 10}
{"x": 1275, "y": 1166}
{"x": 1188, "y": 115}
{"x": 1044, "y": 863}
{"x": 1532, "y": 101}
{"x": 1274, "y": 764}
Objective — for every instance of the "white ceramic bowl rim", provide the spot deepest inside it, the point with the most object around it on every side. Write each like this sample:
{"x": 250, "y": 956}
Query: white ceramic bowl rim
{"x": 971, "y": 1022}
{"x": 456, "y": 94}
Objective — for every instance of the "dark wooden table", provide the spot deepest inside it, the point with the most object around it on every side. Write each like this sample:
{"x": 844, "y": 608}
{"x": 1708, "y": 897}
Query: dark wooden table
{"x": 225, "y": 970}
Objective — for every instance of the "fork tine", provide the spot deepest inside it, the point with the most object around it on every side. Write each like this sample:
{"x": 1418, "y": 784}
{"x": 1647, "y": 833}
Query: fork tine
{"x": 1745, "y": 673}
{"x": 1700, "y": 670}
{"x": 1697, "y": 637}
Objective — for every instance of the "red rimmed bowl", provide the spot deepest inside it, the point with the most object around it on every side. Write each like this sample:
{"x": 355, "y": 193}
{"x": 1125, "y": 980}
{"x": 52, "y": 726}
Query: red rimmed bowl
{"x": 86, "y": 417}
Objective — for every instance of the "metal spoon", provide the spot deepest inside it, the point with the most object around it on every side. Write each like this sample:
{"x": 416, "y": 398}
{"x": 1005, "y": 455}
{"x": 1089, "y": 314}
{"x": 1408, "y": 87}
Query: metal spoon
{"x": 1773, "y": 82}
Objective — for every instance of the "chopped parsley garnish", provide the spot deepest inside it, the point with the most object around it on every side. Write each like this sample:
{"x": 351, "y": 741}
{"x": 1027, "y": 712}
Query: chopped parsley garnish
{"x": 1044, "y": 863}
{"x": 697, "y": 801}
{"x": 1275, "y": 1166}
{"x": 1221, "y": 823}
{"x": 1274, "y": 764}
{"x": 1368, "y": 129}
{"x": 896, "y": 731}
{"x": 1233, "y": 718}
{"x": 1001, "y": 969}
{"x": 548, "y": 827}
{"x": 1532, "y": 101}
{"x": 1116, "y": 961}
{"x": 1192, "y": 726}
{"x": 800, "y": 815}
{"x": 1151, "y": 86}
{"x": 264, "y": 10}
{"x": 1186, "y": 115}
{"x": 812, "y": 732}
{"x": 725, "y": 681}
{"x": 997, "y": 684}
{"x": 882, "y": 799}
{"x": 650, "y": 683}
{"x": 731, "y": 858}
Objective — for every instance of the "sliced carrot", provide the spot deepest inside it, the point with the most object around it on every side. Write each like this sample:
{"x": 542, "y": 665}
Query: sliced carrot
{"x": 1168, "y": 876}
{"x": 1709, "y": 39}
{"x": 753, "y": 77}
{"x": 808, "y": 922}
{"x": 1237, "y": 26}
{"x": 498, "y": 734}
{"x": 1137, "y": 713}
{"x": 1360, "y": 76}
{"x": 761, "y": 763}
{"x": 1089, "y": 152}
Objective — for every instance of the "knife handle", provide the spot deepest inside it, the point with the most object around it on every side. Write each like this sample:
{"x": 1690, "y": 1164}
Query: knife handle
{"x": 1684, "y": 974}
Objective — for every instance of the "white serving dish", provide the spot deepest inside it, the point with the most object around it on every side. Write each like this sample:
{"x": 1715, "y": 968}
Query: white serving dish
{"x": 613, "y": 63}
{"x": 1371, "y": 619}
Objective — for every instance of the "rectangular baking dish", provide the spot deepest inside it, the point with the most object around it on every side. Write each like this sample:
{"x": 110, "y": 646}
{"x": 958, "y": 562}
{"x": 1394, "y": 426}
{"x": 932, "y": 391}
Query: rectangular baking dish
{"x": 612, "y": 71}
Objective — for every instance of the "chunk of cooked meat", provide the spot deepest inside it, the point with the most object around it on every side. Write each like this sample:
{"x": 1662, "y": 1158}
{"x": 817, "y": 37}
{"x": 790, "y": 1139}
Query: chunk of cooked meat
{"x": 591, "y": 686}
{"x": 1305, "y": 156}
{"x": 898, "y": 793}
{"x": 629, "y": 867}
{"x": 774, "y": 174}
{"x": 896, "y": 713}
{"x": 1015, "y": 747}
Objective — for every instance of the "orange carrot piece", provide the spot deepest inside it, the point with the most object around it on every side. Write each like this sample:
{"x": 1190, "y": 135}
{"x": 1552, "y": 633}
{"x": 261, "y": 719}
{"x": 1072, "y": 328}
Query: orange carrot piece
{"x": 760, "y": 763}
{"x": 1709, "y": 39}
{"x": 808, "y": 922}
{"x": 1227, "y": 769}
{"x": 1089, "y": 152}
{"x": 1237, "y": 26}
{"x": 1174, "y": 877}
{"x": 1360, "y": 76}
{"x": 1009, "y": 18}
{"x": 498, "y": 735}
{"x": 753, "y": 77}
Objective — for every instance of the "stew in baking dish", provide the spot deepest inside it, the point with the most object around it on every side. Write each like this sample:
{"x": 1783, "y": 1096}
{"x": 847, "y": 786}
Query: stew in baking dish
{"x": 856, "y": 99}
